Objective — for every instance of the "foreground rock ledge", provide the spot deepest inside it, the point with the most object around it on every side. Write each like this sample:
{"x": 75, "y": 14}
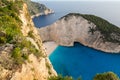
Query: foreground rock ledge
{"x": 76, "y": 29}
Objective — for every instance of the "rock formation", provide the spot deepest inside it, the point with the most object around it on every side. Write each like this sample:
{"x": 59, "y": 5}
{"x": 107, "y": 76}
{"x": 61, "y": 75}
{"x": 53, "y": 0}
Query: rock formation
{"x": 74, "y": 28}
{"x": 22, "y": 57}
{"x": 37, "y": 9}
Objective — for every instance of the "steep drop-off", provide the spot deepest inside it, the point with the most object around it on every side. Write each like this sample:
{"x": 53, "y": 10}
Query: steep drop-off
{"x": 89, "y": 30}
{"x": 22, "y": 56}
{"x": 37, "y": 9}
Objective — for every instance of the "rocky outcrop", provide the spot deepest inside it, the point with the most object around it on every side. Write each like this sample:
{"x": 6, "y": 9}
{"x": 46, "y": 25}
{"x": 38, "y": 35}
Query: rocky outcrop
{"x": 33, "y": 68}
{"x": 36, "y": 68}
{"x": 46, "y": 12}
{"x": 37, "y": 9}
{"x": 74, "y": 28}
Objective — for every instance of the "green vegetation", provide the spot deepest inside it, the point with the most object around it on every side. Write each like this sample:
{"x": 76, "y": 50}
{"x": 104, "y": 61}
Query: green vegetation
{"x": 92, "y": 30}
{"x": 22, "y": 49}
{"x": 16, "y": 54}
{"x": 2, "y": 40}
{"x": 35, "y": 8}
{"x": 48, "y": 67}
{"x": 10, "y": 25}
{"x": 59, "y": 77}
{"x": 10, "y": 32}
{"x": 106, "y": 28}
{"x": 102, "y": 76}
{"x": 106, "y": 76}
{"x": 9, "y": 21}
{"x": 30, "y": 34}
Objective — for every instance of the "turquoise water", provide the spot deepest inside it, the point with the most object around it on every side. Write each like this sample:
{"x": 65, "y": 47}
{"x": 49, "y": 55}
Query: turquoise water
{"x": 81, "y": 61}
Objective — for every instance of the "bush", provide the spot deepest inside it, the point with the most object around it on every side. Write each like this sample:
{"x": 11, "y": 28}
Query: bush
{"x": 2, "y": 40}
{"x": 106, "y": 76}
{"x": 16, "y": 54}
{"x": 59, "y": 77}
{"x": 30, "y": 34}
{"x": 48, "y": 65}
{"x": 25, "y": 56}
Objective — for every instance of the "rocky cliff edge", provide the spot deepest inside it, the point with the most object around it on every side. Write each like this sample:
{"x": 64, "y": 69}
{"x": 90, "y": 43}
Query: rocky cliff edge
{"x": 76, "y": 28}
{"x": 22, "y": 56}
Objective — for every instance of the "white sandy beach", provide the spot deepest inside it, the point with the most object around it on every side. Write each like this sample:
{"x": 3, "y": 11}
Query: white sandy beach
{"x": 49, "y": 47}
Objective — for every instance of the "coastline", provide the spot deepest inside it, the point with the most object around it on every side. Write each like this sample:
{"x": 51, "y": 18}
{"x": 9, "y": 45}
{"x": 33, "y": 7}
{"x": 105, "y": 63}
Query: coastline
{"x": 49, "y": 47}
{"x": 36, "y": 15}
{"x": 45, "y": 13}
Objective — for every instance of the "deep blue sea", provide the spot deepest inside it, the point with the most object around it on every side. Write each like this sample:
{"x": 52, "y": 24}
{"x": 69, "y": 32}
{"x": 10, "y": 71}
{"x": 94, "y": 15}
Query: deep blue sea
{"x": 81, "y": 61}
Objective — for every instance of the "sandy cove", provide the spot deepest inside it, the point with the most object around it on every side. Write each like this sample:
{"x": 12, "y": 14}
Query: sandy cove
{"x": 49, "y": 47}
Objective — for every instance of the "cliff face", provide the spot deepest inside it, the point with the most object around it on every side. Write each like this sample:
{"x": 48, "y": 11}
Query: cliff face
{"x": 37, "y": 9}
{"x": 23, "y": 57}
{"x": 74, "y": 28}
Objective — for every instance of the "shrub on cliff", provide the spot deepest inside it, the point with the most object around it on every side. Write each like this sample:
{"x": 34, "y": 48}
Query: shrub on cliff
{"x": 16, "y": 54}
{"x": 106, "y": 76}
{"x": 59, "y": 77}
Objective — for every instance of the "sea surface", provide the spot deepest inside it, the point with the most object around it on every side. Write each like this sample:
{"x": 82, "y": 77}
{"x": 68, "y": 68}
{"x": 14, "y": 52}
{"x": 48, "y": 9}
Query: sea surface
{"x": 109, "y": 10}
{"x": 81, "y": 61}
{"x": 84, "y": 62}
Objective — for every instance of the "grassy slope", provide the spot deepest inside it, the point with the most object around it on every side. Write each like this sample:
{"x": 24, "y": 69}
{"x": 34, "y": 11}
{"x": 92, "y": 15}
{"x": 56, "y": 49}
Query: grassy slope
{"x": 10, "y": 28}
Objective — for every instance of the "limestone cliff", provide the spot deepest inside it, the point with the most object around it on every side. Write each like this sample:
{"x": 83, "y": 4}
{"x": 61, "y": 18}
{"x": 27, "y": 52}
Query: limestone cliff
{"x": 77, "y": 28}
{"x": 22, "y": 56}
{"x": 37, "y": 9}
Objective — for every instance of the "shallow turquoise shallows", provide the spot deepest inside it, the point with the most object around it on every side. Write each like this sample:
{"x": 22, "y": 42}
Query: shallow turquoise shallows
{"x": 84, "y": 62}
